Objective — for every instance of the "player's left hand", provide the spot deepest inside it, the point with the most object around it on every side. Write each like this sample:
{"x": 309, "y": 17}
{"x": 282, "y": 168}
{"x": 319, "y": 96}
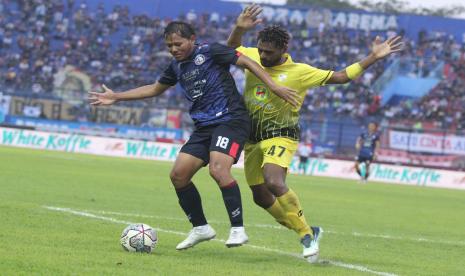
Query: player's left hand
{"x": 289, "y": 95}
{"x": 108, "y": 97}
{"x": 381, "y": 49}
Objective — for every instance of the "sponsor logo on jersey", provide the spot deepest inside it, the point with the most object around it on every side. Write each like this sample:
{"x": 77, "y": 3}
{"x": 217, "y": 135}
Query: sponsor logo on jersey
{"x": 282, "y": 77}
{"x": 261, "y": 93}
{"x": 199, "y": 59}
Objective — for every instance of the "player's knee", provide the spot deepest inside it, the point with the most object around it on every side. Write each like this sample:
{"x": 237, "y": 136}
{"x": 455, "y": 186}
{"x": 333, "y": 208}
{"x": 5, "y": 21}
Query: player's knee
{"x": 276, "y": 185}
{"x": 178, "y": 178}
{"x": 217, "y": 172}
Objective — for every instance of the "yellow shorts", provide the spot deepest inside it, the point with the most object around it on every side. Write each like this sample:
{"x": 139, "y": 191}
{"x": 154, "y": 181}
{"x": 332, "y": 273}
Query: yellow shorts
{"x": 278, "y": 150}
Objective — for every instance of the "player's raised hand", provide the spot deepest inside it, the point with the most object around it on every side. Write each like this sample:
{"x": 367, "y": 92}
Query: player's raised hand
{"x": 248, "y": 17}
{"x": 108, "y": 97}
{"x": 289, "y": 95}
{"x": 381, "y": 49}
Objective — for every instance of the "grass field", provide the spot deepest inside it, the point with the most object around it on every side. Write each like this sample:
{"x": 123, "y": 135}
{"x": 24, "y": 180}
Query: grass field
{"x": 63, "y": 213}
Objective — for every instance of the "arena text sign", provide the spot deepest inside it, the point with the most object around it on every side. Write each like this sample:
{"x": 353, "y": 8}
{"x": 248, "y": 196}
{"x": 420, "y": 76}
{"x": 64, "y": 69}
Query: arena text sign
{"x": 312, "y": 18}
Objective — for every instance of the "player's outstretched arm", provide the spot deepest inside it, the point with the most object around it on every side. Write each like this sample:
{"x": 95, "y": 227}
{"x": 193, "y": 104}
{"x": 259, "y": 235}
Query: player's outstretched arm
{"x": 245, "y": 21}
{"x": 108, "y": 97}
{"x": 358, "y": 143}
{"x": 379, "y": 51}
{"x": 287, "y": 94}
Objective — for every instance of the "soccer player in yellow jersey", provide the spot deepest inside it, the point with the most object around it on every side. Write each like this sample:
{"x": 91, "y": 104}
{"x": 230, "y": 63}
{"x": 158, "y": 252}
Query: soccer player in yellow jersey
{"x": 275, "y": 123}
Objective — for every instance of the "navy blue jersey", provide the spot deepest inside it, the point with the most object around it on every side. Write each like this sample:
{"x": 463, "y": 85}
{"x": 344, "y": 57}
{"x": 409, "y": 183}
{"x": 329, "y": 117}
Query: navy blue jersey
{"x": 207, "y": 84}
{"x": 368, "y": 143}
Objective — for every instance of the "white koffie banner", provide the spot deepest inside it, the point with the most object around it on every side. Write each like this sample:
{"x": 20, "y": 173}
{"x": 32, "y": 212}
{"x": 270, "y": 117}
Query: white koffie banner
{"x": 422, "y": 142}
{"x": 88, "y": 144}
{"x": 168, "y": 152}
{"x": 384, "y": 173}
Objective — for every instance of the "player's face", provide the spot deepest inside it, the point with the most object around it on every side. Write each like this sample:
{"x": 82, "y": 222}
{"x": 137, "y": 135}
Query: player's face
{"x": 270, "y": 55}
{"x": 371, "y": 127}
{"x": 180, "y": 47}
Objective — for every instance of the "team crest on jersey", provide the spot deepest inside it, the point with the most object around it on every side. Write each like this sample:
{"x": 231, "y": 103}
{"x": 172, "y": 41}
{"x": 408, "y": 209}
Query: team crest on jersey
{"x": 282, "y": 77}
{"x": 199, "y": 59}
{"x": 261, "y": 93}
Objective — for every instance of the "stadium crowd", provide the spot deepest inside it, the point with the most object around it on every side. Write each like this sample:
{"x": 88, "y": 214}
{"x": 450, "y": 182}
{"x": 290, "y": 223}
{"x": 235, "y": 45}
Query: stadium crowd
{"x": 38, "y": 38}
{"x": 442, "y": 106}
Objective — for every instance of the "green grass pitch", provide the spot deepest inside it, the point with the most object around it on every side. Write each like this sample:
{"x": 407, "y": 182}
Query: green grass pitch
{"x": 373, "y": 229}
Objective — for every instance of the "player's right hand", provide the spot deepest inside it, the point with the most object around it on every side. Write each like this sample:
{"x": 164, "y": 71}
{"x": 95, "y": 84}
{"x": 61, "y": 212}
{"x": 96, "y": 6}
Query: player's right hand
{"x": 248, "y": 17}
{"x": 108, "y": 97}
{"x": 289, "y": 95}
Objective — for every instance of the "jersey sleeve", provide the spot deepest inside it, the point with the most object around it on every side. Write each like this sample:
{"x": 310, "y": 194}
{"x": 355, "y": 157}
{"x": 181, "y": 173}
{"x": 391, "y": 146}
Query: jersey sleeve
{"x": 224, "y": 55}
{"x": 168, "y": 76}
{"x": 251, "y": 53}
{"x": 311, "y": 76}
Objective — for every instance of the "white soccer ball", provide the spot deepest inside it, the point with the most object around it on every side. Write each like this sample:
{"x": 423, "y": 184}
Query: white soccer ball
{"x": 139, "y": 238}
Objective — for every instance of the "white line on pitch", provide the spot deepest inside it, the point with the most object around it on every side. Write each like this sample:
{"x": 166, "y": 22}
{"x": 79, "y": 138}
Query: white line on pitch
{"x": 356, "y": 234}
{"x": 110, "y": 219}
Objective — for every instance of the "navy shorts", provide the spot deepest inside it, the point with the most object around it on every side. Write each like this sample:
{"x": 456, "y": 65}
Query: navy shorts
{"x": 303, "y": 159}
{"x": 228, "y": 138}
{"x": 364, "y": 159}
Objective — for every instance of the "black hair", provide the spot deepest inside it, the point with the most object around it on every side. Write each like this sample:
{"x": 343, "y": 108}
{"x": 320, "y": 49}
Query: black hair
{"x": 183, "y": 29}
{"x": 275, "y": 34}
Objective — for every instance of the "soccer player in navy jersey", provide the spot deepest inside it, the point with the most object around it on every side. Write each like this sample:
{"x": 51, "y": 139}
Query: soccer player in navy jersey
{"x": 367, "y": 144}
{"x": 220, "y": 117}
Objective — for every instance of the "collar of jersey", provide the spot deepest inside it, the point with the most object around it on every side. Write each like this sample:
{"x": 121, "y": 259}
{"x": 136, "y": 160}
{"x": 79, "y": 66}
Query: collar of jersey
{"x": 196, "y": 50}
{"x": 288, "y": 61}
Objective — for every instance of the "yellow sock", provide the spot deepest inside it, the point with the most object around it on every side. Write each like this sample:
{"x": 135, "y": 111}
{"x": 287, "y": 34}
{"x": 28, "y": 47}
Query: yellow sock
{"x": 295, "y": 215}
{"x": 279, "y": 215}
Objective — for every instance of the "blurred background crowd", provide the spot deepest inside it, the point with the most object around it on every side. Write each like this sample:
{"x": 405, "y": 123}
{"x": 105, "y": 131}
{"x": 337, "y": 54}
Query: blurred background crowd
{"x": 59, "y": 50}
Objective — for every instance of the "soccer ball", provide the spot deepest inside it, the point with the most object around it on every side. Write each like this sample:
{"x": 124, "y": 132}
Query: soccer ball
{"x": 139, "y": 238}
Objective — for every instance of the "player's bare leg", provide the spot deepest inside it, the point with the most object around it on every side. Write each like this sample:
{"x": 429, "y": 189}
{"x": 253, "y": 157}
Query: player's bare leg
{"x": 367, "y": 170}
{"x": 357, "y": 168}
{"x": 220, "y": 170}
{"x": 263, "y": 197}
{"x": 183, "y": 170}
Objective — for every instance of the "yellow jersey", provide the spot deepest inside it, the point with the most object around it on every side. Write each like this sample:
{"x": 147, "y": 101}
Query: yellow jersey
{"x": 271, "y": 116}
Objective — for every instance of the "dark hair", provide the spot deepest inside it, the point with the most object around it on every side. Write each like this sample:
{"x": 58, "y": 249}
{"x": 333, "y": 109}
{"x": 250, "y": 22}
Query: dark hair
{"x": 276, "y": 35}
{"x": 181, "y": 28}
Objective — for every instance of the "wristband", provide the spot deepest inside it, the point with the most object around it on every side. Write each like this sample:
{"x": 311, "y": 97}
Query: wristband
{"x": 354, "y": 70}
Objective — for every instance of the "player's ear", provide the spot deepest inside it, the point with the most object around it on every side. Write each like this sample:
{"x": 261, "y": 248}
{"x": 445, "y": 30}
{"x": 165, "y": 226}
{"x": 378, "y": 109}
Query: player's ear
{"x": 192, "y": 38}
